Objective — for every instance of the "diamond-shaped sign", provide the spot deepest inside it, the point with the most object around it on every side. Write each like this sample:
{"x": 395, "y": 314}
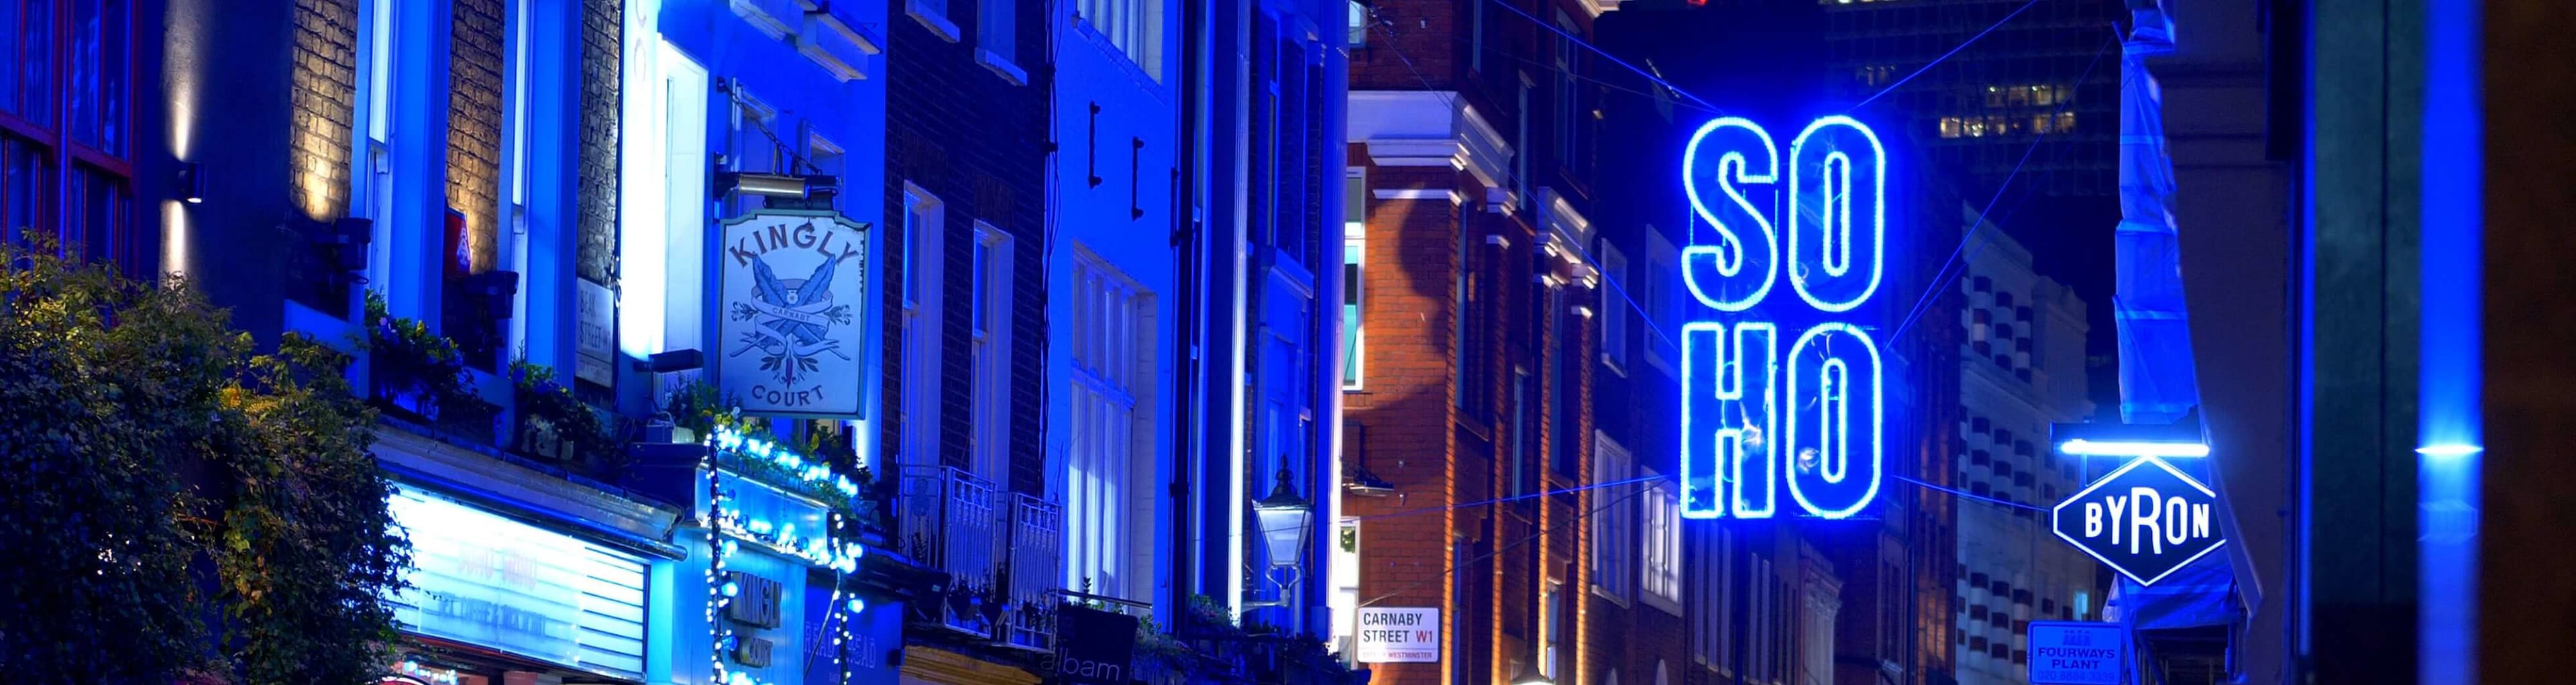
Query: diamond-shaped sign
{"x": 2145, "y": 520}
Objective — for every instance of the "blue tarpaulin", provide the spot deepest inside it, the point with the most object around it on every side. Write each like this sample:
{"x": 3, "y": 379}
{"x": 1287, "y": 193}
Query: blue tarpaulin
{"x": 2158, "y": 382}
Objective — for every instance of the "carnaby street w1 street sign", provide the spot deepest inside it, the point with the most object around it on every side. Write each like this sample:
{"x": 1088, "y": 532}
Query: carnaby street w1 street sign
{"x": 2145, "y": 520}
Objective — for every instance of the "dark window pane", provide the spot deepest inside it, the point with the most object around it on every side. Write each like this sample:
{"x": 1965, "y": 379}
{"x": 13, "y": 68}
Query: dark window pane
{"x": 36, "y": 62}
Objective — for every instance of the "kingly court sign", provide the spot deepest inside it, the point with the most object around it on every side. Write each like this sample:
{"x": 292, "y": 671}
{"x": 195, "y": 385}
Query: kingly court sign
{"x": 1754, "y": 420}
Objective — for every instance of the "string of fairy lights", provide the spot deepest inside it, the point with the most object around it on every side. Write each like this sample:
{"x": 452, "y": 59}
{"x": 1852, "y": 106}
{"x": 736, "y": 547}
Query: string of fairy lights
{"x": 728, "y": 528}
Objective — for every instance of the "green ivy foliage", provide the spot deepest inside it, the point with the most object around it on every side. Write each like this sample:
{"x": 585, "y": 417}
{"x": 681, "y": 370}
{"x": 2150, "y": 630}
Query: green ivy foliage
{"x": 183, "y": 505}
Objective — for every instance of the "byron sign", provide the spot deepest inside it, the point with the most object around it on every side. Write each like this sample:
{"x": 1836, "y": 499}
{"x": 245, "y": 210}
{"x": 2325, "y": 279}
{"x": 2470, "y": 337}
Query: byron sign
{"x": 2145, "y": 520}
{"x": 793, "y": 308}
{"x": 1780, "y": 388}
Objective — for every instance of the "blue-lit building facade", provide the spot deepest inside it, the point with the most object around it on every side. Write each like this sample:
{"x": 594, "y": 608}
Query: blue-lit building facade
{"x": 1259, "y": 244}
{"x": 538, "y": 184}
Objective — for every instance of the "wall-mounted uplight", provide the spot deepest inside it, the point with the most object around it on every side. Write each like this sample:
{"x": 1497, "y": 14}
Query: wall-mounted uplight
{"x": 192, "y": 182}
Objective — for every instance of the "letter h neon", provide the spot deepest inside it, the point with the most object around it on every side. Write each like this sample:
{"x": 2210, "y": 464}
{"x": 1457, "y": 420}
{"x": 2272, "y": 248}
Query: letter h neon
{"x": 1728, "y": 419}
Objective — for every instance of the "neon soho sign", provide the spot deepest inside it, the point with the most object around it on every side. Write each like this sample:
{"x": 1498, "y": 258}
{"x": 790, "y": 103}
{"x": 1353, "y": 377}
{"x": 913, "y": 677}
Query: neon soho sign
{"x": 1740, "y": 413}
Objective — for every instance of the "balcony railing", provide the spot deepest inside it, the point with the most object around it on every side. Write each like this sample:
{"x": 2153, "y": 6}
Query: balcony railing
{"x": 951, "y": 520}
{"x": 1036, "y": 572}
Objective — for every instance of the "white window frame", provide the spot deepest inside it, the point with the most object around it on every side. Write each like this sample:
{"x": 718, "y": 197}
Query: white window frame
{"x": 1614, "y": 563}
{"x": 1659, "y": 558}
{"x": 663, "y": 170}
{"x": 514, "y": 172}
{"x": 1109, "y": 531}
{"x": 1661, "y": 304}
{"x": 997, "y": 39}
{"x": 1614, "y": 308}
{"x": 1354, "y": 369}
{"x": 371, "y": 183}
{"x": 924, "y": 223}
{"x": 1551, "y": 628}
{"x": 989, "y": 332}
{"x": 1712, "y": 597}
{"x": 1134, "y": 27}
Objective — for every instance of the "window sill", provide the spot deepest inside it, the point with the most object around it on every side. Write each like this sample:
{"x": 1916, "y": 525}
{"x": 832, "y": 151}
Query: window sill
{"x": 1606, "y": 594}
{"x": 1670, "y": 606}
{"x": 1616, "y": 367}
{"x": 1002, "y": 66}
{"x": 931, "y": 19}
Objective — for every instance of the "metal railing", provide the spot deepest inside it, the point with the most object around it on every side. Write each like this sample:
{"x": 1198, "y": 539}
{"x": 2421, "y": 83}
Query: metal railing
{"x": 1035, "y": 566}
{"x": 952, "y": 521}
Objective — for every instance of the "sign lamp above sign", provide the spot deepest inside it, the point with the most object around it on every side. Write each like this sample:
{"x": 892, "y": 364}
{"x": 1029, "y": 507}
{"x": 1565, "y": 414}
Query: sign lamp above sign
{"x": 2145, "y": 520}
{"x": 795, "y": 286}
{"x": 1752, "y": 419}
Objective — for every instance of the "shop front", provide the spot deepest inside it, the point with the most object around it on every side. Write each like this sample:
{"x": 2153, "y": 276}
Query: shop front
{"x": 496, "y": 600}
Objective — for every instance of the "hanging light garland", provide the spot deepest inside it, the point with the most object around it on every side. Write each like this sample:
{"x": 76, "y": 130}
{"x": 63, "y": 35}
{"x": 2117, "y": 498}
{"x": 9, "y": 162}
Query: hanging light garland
{"x": 727, "y": 528}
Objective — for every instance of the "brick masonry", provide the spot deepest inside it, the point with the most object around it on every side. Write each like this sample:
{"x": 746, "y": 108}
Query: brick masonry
{"x": 322, "y": 94}
{"x": 474, "y": 108}
{"x": 978, "y": 142}
{"x": 595, "y": 211}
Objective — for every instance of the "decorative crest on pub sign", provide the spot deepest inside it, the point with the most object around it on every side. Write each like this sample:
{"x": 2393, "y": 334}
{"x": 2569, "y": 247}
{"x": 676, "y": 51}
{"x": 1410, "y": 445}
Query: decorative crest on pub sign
{"x": 793, "y": 310}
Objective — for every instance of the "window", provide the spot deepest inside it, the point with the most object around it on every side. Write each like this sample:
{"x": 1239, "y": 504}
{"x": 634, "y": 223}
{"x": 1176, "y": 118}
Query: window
{"x": 1476, "y": 35}
{"x": 924, "y": 219}
{"x": 1473, "y": 323}
{"x": 1662, "y": 553}
{"x": 1614, "y": 308}
{"x": 372, "y": 187}
{"x": 1359, "y": 25}
{"x": 663, "y": 180}
{"x": 995, "y": 28}
{"x": 1135, "y": 26}
{"x": 1520, "y": 472}
{"x": 1109, "y": 462}
{"x": 65, "y": 87}
{"x": 1662, "y": 306}
{"x": 1613, "y": 511}
{"x": 1565, "y": 91}
{"x": 1569, "y": 394}
{"x": 1711, "y": 595}
{"x": 1354, "y": 261}
{"x": 990, "y": 334}
{"x": 1551, "y": 628}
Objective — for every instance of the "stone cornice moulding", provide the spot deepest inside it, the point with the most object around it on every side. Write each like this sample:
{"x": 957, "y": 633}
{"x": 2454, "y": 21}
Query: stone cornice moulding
{"x": 1428, "y": 128}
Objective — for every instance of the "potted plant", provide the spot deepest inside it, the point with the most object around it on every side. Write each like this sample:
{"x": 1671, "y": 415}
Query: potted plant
{"x": 416, "y": 373}
{"x": 553, "y": 424}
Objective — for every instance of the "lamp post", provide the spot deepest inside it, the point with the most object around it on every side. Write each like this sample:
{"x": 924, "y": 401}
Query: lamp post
{"x": 1285, "y": 519}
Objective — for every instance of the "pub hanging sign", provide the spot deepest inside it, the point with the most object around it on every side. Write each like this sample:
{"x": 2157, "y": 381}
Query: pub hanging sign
{"x": 794, "y": 290}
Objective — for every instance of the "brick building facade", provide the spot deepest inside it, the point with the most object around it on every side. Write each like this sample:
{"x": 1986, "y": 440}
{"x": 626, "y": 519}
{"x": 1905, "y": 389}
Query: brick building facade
{"x": 1478, "y": 287}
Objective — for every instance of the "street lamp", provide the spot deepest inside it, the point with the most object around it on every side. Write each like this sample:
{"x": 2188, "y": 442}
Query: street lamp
{"x": 1285, "y": 519}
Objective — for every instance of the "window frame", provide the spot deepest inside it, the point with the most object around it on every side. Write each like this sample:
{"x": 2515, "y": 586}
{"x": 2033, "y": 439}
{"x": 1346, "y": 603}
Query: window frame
{"x": 1355, "y": 194}
{"x": 1110, "y": 523}
{"x": 1614, "y": 549}
{"x": 989, "y": 336}
{"x": 63, "y": 164}
{"x": 1659, "y": 558}
{"x": 1614, "y": 308}
{"x": 922, "y": 313}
